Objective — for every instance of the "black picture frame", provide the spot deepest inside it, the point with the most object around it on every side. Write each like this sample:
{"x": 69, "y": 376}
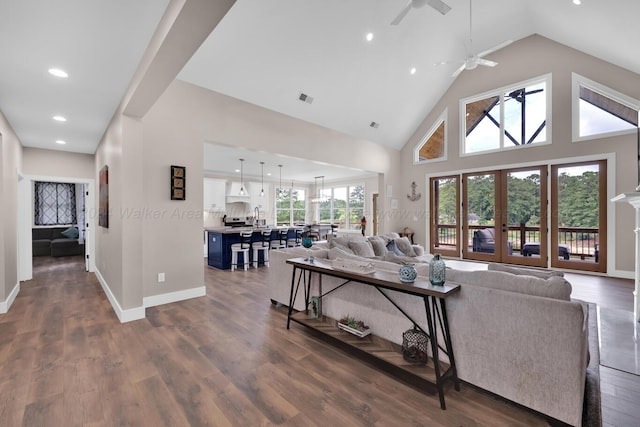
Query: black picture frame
{"x": 178, "y": 182}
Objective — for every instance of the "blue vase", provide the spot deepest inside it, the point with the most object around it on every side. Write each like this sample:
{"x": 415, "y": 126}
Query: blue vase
{"x": 437, "y": 270}
{"x": 407, "y": 273}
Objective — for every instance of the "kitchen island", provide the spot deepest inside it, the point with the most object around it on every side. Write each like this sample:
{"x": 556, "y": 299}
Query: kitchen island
{"x": 220, "y": 239}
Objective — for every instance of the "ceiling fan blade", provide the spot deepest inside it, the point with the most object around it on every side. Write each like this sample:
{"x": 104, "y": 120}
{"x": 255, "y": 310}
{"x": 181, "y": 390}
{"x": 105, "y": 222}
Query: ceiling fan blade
{"x": 459, "y": 61}
{"x": 402, "y": 14}
{"x": 486, "y": 62}
{"x": 457, "y": 72}
{"x": 440, "y": 6}
{"x": 495, "y": 48}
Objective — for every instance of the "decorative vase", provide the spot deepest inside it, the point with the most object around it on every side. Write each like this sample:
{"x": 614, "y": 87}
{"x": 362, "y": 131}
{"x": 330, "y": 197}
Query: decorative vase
{"x": 407, "y": 273}
{"x": 437, "y": 270}
{"x": 308, "y": 243}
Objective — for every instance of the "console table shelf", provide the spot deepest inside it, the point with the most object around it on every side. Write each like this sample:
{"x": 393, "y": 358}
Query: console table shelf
{"x": 380, "y": 349}
{"x": 382, "y": 352}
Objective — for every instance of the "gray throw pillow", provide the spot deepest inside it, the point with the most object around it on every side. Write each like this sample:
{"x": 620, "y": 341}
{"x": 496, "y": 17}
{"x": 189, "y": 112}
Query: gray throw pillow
{"x": 379, "y": 245}
{"x": 404, "y": 245}
{"x": 363, "y": 249}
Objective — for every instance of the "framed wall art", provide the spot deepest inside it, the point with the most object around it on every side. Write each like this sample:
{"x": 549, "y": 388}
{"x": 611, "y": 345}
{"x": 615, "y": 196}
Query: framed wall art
{"x": 178, "y": 180}
{"x": 103, "y": 197}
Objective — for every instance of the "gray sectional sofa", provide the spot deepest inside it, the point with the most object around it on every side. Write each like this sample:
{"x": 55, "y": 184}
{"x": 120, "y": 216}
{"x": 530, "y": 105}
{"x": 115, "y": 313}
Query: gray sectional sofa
{"x": 513, "y": 334}
{"x": 50, "y": 241}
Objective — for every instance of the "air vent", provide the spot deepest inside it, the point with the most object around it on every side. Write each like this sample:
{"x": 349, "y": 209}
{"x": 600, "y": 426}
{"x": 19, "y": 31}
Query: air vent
{"x": 305, "y": 98}
{"x": 374, "y": 125}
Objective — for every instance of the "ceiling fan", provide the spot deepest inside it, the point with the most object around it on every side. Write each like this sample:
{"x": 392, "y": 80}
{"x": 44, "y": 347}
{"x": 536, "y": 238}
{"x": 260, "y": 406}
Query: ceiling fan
{"x": 438, "y": 5}
{"x": 473, "y": 60}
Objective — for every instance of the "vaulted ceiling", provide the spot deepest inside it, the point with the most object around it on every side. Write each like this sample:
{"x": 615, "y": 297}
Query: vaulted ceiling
{"x": 267, "y": 52}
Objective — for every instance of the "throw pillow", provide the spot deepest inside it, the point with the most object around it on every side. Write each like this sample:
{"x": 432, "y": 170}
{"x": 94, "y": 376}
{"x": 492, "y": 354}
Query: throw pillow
{"x": 391, "y": 247}
{"x": 379, "y": 245}
{"x": 339, "y": 252}
{"x": 404, "y": 245}
{"x": 340, "y": 242}
{"x": 71, "y": 233}
{"x": 363, "y": 249}
{"x": 543, "y": 274}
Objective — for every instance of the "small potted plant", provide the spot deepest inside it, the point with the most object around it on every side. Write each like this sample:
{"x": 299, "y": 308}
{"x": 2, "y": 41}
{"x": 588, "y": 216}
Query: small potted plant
{"x": 353, "y": 326}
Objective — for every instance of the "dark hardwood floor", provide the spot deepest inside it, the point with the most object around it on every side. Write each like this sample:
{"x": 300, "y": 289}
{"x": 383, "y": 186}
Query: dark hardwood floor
{"x": 223, "y": 360}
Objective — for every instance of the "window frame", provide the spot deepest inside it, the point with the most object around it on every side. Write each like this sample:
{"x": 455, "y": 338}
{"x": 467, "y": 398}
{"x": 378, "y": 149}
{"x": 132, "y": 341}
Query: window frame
{"x": 442, "y": 119}
{"x": 576, "y": 81}
{"x": 330, "y": 192}
{"x": 546, "y": 78}
{"x": 291, "y": 209}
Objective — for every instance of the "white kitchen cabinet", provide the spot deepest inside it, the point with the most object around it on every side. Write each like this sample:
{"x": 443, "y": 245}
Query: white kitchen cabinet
{"x": 214, "y": 195}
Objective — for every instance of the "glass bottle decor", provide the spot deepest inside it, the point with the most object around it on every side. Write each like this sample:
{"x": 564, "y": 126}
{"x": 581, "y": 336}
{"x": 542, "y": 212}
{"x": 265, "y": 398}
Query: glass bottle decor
{"x": 407, "y": 273}
{"x": 437, "y": 270}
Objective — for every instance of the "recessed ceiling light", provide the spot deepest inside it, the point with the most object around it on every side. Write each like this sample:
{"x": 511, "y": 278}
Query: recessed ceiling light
{"x": 413, "y": 71}
{"x": 61, "y": 142}
{"x": 59, "y": 119}
{"x": 369, "y": 37}
{"x": 237, "y": 171}
{"x": 577, "y": 2}
{"x": 58, "y": 73}
{"x": 268, "y": 173}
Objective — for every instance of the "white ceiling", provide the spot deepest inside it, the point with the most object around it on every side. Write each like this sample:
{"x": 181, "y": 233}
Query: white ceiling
{"x": 267, "y": 51}
{"x": 223, "y": 161}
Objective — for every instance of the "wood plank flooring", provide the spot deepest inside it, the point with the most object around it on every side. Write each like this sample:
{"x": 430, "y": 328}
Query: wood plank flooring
{"x": 221, "y": 360}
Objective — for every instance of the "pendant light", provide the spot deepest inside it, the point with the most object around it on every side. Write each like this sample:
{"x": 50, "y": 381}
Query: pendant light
{"x": 320, "y": 196}
{"x": 262, "y": 189}
{"x": 241, "y": 177}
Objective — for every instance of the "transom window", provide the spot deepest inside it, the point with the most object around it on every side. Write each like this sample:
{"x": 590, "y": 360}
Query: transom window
{"x": 514, "y": 116}
{"x": 599, "y": 111}
{"x": 433, "y": 147}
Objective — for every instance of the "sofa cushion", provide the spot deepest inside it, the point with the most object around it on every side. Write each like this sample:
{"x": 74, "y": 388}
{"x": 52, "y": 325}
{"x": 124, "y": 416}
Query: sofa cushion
{"x": 340, "y": 252}
{"x": 71, "y": 233}
{"x": 404, "y": 245}
{"x": 554, "y": 287}
{"x": 41, "y": 234}
{"x": 362, "y": 248}
{"x": 379, "y": 245}
{"x": 487, "y": 235}
{"x": 543, "y": 274}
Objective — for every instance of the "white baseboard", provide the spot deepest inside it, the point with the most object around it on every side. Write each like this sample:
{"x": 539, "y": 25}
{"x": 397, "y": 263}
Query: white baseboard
{"x": 6, "y": 304}
{"x": 622, "y": 274}
{"x": 170, "y": 297}
{"x": 124, "y": 315}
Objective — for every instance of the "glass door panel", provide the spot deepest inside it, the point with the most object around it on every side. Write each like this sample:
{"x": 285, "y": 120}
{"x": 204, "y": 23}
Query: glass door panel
{"x": 524, "y": 222}
{"x": 578, "y": 223}
{"x": 445, "y": 211}
{"x": 479, "y": 211}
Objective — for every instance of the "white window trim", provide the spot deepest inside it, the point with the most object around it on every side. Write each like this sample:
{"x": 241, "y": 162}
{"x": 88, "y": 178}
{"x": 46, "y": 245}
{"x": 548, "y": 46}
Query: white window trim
{"x": 443, "y": 118}
{"x": 348, "y": 207}
{"x": 576, "y": 81}
{"x": 290, "y": 209}
{"x": 547, "y": 78}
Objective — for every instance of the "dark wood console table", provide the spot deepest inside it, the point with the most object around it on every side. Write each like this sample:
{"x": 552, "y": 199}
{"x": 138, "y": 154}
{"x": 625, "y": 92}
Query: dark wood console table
{"x": 434, "y": 304}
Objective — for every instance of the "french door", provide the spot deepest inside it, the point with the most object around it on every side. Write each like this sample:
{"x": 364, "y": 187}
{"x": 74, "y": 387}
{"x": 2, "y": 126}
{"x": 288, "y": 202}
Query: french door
{"x": 445, "y": 213}
{"x": 579, "y": 220}
{"x": 504, "y": 214}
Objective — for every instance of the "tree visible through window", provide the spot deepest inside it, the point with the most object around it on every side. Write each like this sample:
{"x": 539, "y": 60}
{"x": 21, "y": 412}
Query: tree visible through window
{"x": 290, "y": 206}
{"x": 55, "y": 203}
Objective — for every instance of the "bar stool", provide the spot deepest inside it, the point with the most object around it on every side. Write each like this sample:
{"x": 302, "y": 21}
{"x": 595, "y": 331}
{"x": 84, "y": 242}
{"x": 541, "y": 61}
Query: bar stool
{"x": 243, "y": 246}
{"x": 297, "y": 240}
{"x": 264, "y": 246}
{"x": 281, "y": 241}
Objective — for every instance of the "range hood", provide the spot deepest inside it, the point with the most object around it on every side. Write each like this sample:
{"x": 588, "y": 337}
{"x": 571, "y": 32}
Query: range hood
{"x": 233, "y": 193}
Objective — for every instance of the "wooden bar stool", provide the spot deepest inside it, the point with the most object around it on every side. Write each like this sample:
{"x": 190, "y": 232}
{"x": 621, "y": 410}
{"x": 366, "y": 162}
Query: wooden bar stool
{"x": 263, "y": 245}
{"x": 243, "y": 246}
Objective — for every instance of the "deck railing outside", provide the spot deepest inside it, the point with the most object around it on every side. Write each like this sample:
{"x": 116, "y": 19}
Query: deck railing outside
{"x": 582, "y": 242}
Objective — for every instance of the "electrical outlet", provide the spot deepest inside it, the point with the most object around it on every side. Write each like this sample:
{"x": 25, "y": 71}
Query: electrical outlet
{"x": 160, "y": 277}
